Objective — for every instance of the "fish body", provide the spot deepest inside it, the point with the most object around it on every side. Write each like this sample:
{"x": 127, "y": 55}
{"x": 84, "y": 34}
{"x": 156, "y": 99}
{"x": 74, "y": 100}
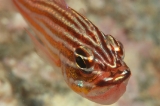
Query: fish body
{"x": 91, "y": 62}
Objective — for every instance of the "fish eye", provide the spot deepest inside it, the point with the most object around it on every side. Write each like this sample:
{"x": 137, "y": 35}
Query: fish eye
{"x": 120, "y": 50}
{"x": 84, "y": 58}
{"x": 80, "y": 62}
{"x": 116, "y": 46}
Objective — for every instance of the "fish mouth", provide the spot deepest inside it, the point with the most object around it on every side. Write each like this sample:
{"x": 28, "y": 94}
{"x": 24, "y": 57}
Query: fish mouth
{"x": 110, "y": 89}
{"x": 105, "y": 84}
{"x": 108, "y": 94}
{"x": 115, "y": 78}
{"x": 104, "y": 89}
{"x": 110, "y": 85}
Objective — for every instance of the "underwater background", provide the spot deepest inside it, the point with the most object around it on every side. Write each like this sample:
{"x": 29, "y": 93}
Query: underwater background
{"x": 27, "y": 80}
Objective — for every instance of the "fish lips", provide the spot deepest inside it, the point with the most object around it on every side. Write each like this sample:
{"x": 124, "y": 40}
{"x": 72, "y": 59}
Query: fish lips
{"x": 116, "y": 77}
{"x": 109, "y": 89}
{"x": 107, "y": 95}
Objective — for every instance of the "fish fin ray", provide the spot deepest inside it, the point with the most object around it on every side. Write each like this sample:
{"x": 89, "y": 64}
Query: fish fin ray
{"x": 62, "y": 3}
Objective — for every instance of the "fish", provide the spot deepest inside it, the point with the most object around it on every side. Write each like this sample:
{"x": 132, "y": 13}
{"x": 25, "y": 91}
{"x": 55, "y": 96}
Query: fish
{"x": 91, "y": 62}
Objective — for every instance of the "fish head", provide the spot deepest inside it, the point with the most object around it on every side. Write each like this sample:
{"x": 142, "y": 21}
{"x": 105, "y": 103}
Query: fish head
{"x": 98, "y": 73}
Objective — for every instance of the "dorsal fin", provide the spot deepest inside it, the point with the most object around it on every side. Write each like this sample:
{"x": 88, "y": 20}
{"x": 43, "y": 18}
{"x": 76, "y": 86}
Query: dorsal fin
{"x": 61, "y": 3}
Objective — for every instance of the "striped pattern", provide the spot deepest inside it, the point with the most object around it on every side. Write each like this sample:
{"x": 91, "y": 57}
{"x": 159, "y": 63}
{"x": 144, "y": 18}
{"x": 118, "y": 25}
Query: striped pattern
{"x": 62, "y": 30}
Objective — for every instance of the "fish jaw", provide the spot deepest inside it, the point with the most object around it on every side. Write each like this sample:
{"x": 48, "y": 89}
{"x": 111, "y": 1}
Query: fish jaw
{"x": 108, "y": 90}
{"x": 110, "y": 94}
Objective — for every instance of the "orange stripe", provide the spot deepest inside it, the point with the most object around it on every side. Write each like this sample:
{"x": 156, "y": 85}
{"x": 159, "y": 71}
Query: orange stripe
{"x": 51, "y": 16}
{"x": 73, "y": 32}
{"x": 64, "y": 50}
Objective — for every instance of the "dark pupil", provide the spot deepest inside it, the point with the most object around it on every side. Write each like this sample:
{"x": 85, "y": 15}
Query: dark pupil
{"x": 80, "y": 62}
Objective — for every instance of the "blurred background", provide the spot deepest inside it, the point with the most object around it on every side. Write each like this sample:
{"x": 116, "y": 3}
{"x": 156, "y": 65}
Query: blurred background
{"x": 26, "y": 80}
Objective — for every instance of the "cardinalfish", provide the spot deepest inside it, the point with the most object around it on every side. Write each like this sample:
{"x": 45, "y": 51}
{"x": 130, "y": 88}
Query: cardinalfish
{"x": 91, "y": 62}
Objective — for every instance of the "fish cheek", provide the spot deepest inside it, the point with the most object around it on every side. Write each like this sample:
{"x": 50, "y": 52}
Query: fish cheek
{"x": 74, "y": 79}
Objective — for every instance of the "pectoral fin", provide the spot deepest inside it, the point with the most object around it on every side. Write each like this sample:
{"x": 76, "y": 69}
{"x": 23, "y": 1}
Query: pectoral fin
{"x": 44, "y": 51}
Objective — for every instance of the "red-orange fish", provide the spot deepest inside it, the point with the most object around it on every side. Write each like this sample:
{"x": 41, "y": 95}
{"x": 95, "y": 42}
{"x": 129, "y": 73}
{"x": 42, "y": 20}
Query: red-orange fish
{"x": 91, "y": 62}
